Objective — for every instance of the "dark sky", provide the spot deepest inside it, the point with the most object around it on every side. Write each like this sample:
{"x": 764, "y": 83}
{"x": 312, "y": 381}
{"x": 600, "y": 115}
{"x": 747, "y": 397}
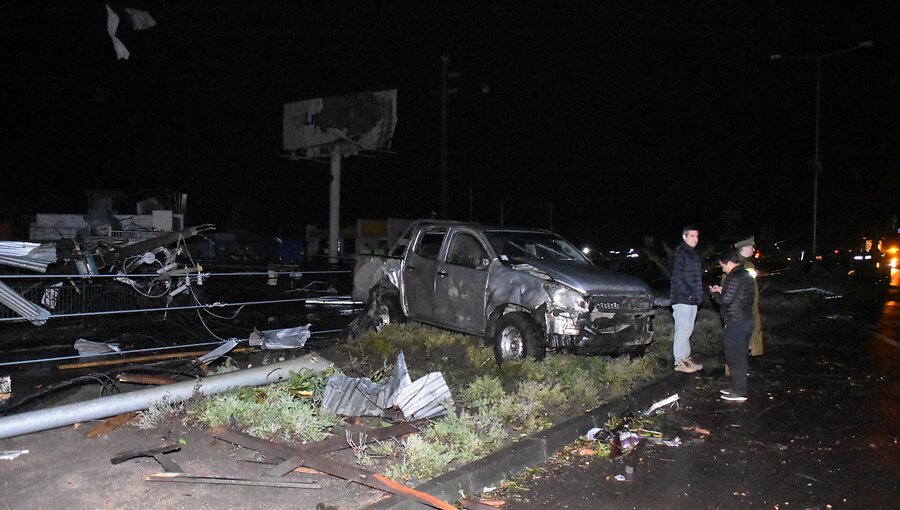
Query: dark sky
{"x": 630, "y": 118}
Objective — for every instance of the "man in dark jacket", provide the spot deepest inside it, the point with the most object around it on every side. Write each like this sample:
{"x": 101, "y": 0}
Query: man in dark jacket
{"x": 735, "y": 297}
{"x": 686, "y": 294}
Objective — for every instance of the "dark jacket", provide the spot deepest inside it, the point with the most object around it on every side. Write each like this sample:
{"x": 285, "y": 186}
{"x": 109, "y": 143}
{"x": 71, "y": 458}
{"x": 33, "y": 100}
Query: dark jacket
{"x": 686, "y": 286}
{"x": 738, "y": 294}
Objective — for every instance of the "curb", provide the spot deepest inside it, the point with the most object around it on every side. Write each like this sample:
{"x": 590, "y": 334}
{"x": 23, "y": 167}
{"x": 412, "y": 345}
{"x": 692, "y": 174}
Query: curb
{"x": 532, "y": 450}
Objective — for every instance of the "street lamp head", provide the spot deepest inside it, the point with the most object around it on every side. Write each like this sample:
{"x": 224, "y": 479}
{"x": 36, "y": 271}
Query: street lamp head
{"x": 776, "y": 56}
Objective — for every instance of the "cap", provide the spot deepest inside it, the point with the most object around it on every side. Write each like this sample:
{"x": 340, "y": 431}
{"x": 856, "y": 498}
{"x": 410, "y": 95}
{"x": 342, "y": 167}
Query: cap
{"x": 744, "y": 242}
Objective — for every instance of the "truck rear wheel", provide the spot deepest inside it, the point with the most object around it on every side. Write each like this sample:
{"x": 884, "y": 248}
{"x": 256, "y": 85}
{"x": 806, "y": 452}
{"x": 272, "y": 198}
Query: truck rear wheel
{"x": 517, "y": 336}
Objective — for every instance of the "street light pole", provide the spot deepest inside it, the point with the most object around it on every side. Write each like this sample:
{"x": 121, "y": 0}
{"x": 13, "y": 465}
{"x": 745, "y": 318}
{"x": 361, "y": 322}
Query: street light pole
{"x": 817, "y": 163}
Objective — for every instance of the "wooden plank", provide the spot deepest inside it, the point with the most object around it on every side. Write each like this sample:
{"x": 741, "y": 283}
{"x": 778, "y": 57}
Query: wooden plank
{"x": 260, "y": 481}
{"x": 153, "y": 379}
{"x": 144, "y": 452}
{"x": 143, "y": 359}
{"x": 110, "y": 424}
{"x": 421, "y": 497}
{"x": 339, "y": 442}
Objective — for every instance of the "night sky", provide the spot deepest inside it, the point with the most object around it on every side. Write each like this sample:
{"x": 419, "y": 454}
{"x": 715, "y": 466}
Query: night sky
{"x": 624, "y": 118}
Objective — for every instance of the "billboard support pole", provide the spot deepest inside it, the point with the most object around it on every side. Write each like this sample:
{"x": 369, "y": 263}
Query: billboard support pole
{"x": 334, "y": 213}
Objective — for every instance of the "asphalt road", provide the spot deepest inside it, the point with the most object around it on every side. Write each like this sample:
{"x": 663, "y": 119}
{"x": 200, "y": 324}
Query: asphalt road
{"x": 818, "y": 431}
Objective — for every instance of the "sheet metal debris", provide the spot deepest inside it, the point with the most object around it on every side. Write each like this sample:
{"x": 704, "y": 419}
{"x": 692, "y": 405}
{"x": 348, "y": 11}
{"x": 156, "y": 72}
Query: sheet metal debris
{"x": 288, "y": 338}
{"x": 89, "y": 348}
{"x": 14, "y": 301}
{"x": 219, "y": 351}
{"x": 31, "y": 256}
{"x": 427, "y": 397}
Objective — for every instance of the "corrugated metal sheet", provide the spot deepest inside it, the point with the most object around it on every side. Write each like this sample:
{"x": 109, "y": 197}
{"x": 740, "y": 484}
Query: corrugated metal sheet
{"x": 426, "y": 397}
{"x": 358, "y": 396}
{"x": 352, "y": 396}
{"x": 34, "y": 313}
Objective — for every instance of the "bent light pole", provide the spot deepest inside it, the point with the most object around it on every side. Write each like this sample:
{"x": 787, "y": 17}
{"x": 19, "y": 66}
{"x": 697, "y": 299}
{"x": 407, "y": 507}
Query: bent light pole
{"x": 817, "y": 163}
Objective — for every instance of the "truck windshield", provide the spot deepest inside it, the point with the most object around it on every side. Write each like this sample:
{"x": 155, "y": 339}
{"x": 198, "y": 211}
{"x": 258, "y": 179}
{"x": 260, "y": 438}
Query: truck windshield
{"x": 533, "y": 245}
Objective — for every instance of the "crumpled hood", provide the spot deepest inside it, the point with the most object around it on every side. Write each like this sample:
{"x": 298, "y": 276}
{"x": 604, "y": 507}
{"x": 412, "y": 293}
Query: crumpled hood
{"x": 590, "y": 279}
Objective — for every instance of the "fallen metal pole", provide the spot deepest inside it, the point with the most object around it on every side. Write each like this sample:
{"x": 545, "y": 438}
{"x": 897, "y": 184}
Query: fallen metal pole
{"x": 104, "y": 407}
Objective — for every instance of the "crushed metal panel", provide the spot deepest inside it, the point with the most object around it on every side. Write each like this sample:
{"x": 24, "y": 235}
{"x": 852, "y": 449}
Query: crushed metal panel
{"x": 15, "y": 302}
{"x": 387, "y": 397}
{"x": 219, "y": 351}
{"x": 352, "y": 396}
{"x": 359, "y": 396}
{"x": 426, "y": 397}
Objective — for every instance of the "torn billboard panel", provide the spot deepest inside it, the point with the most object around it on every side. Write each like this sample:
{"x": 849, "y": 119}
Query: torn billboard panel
{"x": 366, "y": 120}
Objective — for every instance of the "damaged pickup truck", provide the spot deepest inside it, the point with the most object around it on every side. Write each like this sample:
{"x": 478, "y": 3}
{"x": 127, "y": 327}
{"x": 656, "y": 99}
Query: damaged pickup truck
{"x": 522, "y": 290}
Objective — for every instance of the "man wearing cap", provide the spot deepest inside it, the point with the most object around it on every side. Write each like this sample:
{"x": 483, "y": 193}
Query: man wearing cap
{"x": 745, "y": 249}
{"x": 735, "y": 299}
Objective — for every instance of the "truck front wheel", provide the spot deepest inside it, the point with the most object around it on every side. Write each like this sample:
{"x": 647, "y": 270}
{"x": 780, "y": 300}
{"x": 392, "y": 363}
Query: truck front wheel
{"x": 517, "y": 336}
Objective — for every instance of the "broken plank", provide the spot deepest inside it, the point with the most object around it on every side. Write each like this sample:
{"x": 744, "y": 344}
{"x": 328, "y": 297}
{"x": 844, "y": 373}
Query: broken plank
{"x": 339, "y": 442}
{"x": 421, "y": 497}
{"x": 143, "y": 359}
{"x": 153, "y": 379}
{"x": 331, "y": 467}
{"x": 260, "y": 481}
{"x": 110, "y": 424}
{"x": 144, "y": 452}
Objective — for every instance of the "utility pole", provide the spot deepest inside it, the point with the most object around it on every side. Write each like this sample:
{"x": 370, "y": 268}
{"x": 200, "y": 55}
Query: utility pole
{"x": 817, "y": 162}
{"x": 446, "y": 75}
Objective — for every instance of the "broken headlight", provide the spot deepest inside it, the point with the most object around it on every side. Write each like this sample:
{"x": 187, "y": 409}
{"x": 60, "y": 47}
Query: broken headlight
{"x": 566, "y": 298}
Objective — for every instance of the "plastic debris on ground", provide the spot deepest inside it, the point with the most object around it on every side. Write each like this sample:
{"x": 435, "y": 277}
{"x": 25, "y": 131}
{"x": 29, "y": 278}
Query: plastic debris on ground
{"x": 662, "y": 403}
{"x": 89, "y": 348}
{"x": 288, "y": 338}
{"x": 11, "y": 454}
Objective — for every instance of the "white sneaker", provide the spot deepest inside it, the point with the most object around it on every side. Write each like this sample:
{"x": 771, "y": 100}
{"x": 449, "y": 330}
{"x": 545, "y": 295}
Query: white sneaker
{"x": 684, "y": 367}
{"x": 693, "y": 364}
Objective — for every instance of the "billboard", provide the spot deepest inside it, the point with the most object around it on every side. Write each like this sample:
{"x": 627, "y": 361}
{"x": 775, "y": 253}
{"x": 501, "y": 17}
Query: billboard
{"x": 362, "y": 121}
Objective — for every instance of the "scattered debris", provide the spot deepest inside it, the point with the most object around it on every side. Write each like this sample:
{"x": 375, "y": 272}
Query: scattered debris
{"x": 35, "y": 421}
{"x": 662, "y": 403}
{"x": 329, "y": 466}
{"x": 152, "y": 451}
{"x": 110, "y": 424}
{"x": 5, "y": 387}
{"x": 288, "y": 338}
{"x": 481, "y": 504}
{"x": 11, "y": 454}
{"x": 89, "y": 348}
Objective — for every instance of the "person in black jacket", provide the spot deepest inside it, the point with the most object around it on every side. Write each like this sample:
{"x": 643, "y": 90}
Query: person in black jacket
{"x": 735, "y": 298}
{"x": 686, "y": 295}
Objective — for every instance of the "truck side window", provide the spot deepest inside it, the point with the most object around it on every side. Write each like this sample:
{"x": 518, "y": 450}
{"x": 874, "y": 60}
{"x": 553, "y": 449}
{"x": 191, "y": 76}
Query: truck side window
{"x": 430, "y": 243}
{"x": 465, "y": 251}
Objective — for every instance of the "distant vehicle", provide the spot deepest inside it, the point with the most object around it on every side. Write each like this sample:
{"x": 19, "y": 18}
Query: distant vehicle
{"x": 522, "y": 290}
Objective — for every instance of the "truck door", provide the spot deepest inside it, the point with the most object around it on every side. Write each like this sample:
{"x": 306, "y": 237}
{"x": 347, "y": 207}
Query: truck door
{"x": 459, "y": 288}
{"x": 419, "y": 269}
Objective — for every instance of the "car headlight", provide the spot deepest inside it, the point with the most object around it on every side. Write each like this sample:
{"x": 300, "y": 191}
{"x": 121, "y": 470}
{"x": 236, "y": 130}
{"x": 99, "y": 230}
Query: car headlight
{"x": 567, "y": 298}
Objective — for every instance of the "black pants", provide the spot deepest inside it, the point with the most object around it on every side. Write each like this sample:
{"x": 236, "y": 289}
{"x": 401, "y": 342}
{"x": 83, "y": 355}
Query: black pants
{"x": 737, "y": 341}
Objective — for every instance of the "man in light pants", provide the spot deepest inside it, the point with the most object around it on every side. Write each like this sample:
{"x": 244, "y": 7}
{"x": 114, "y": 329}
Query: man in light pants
{"x": 686, "y": 294}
